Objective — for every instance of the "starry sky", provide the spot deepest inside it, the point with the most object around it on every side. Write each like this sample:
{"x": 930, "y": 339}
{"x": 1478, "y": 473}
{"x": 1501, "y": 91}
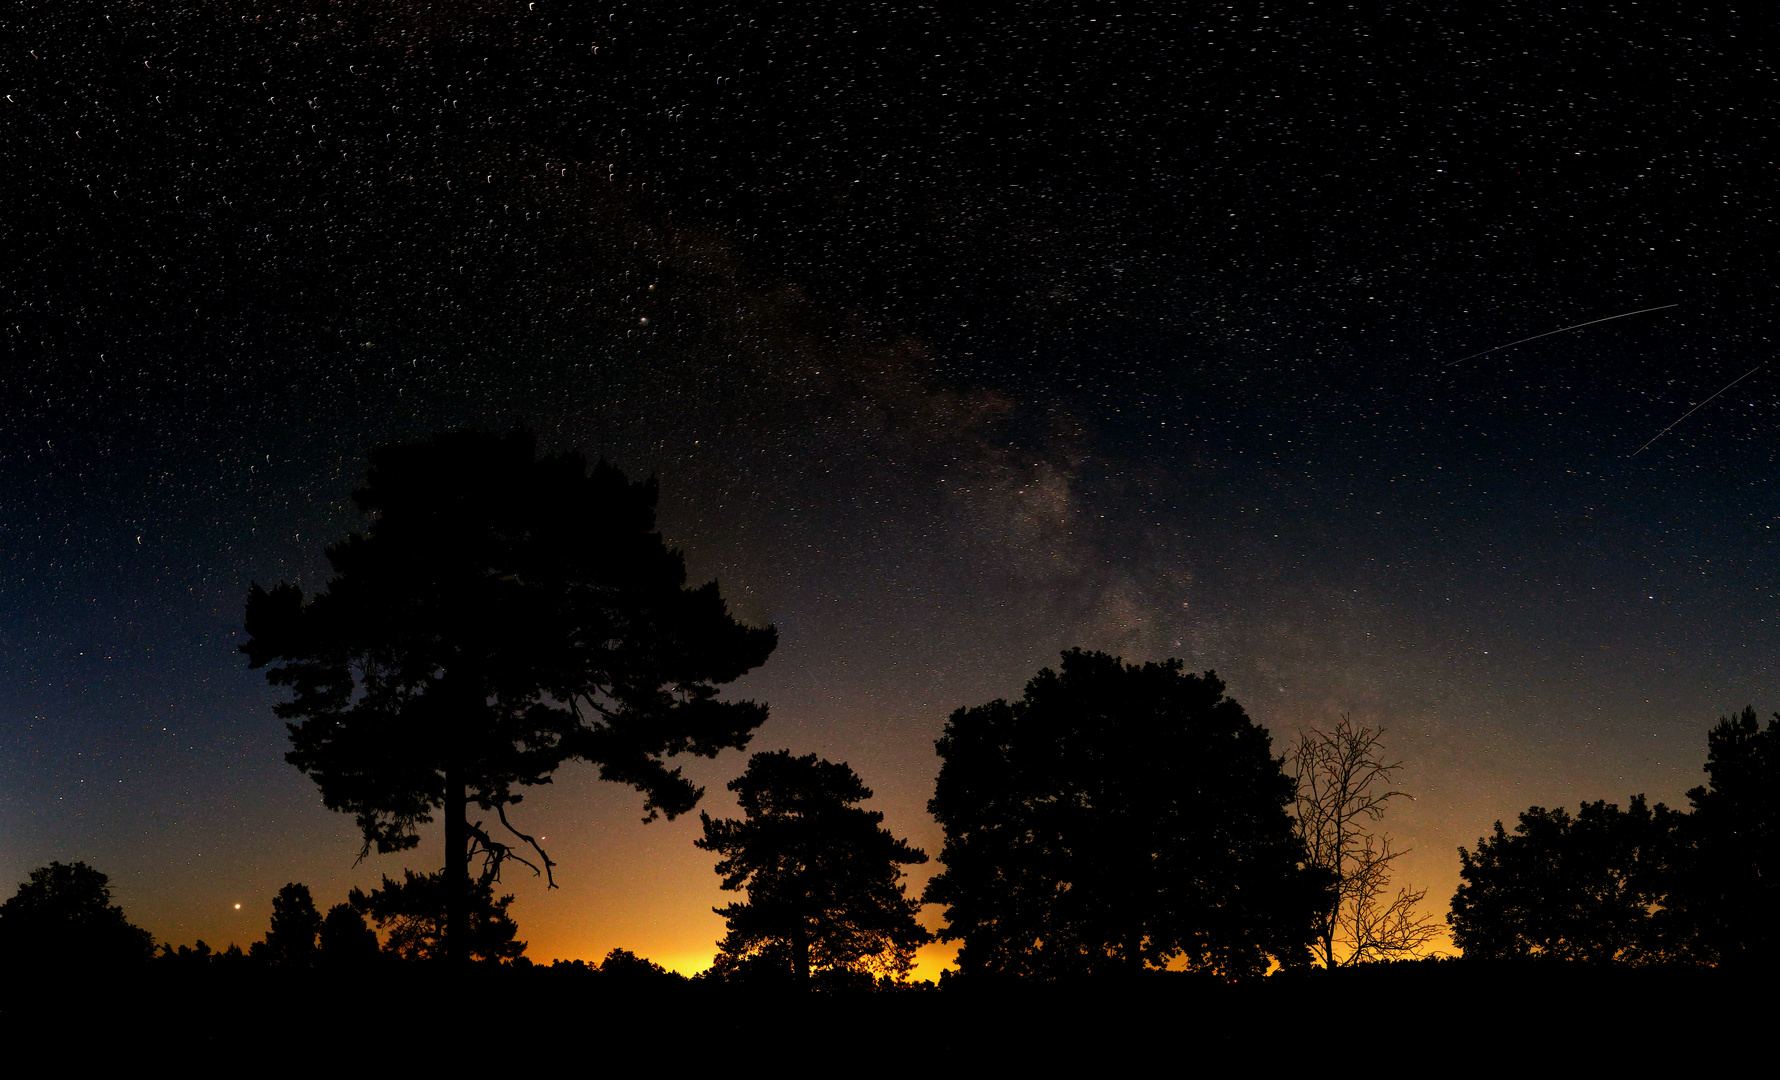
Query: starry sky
{"x": 957, "y": 335}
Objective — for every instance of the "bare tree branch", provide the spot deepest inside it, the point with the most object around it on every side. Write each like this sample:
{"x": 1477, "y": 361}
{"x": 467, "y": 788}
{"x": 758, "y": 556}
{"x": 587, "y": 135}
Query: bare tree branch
{"x": 494, "y": 853}
{"x": 1344, "y": 787}
{"x": 549, "y": 863}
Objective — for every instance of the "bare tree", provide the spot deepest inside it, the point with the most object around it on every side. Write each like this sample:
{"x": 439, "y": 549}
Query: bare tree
{"x": 1343, "y": 789}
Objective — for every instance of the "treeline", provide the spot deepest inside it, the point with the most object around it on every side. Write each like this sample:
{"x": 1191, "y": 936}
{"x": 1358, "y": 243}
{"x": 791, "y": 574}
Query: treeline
{"x": 506, "y": 614}
{"x": 1041, "y": 883}
{"x": 1641, "y": 884}
{"x": 63, "y": 919}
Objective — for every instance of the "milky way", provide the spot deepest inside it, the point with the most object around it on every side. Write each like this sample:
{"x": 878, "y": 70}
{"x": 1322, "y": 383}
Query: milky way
{"x": 957, "y": 335}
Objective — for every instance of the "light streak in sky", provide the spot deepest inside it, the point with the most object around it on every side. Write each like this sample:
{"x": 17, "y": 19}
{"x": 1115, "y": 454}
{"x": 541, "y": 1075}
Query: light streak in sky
{"x": 1548, "y": 333}
{"x": 1693, "y": 410}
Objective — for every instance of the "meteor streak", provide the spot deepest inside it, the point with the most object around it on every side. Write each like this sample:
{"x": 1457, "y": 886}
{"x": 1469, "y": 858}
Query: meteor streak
{"x": 1548, "y": 333}
{"x": 1693, "y": 410}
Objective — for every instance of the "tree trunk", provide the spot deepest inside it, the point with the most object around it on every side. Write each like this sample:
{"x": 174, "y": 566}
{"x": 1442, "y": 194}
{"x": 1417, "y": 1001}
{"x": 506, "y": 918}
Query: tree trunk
{"x": 457, "y": 870}
{"x": 800, "y": 955}
{"x": 1133, "y": 952}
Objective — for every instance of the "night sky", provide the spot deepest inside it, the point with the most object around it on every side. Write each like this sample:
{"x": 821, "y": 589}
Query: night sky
{"x": 957, "y": 334}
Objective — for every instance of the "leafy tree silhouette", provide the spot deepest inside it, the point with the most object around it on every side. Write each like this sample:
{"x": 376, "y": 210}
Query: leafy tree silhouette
{"x": 63, "y": 917}
{"x": 1117, "y": 818}
{"x": 823, "y": 876}
{"x": 1727, "y": 885}
{"x": 291, "y": 940}
{"x": 624, "y": 963}
{"x": 230, "y": 959}
{"x": 344, "y": 939}
{"x": 622, "y": 967}
{"x": 502, "y": 614}
{"x": 186, "y": 956}
{"x": 413, "y": 912}
{"x": 1582, "y": 888}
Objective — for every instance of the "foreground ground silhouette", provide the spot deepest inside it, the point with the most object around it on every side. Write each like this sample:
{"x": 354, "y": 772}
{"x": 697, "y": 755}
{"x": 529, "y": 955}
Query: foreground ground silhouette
{"x": 1437, "y": 1013}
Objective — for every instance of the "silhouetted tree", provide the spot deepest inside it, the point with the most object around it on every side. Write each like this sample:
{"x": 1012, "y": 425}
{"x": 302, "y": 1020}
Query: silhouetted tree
{"x": 1726, "y": 889}
{"x": 197, "y": 955}
{"x": 623, "y": 962}
{"x": 344, "y": 939}
{"x": 291, "y": 940}
{"x": 63, "y": 917}
{"x": 1342, "y": 789}
{"x": 622, "y": 967}
{"x": 769, "y": 967}
{"x": 502, "y": 614}
{"x": 1582, "y": 888}
{"x": 823, "y": 876}
{"x": 231, "y": 958}
{"x": 1117, "y": 818}
{"x": 412, "y": 913}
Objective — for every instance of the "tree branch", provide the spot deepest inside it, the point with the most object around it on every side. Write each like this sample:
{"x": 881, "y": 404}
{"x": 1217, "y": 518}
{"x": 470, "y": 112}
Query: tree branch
{"x": 494, "y": 853}
{"x": 1342, "y": 787}
{"x": 549, "y": 863}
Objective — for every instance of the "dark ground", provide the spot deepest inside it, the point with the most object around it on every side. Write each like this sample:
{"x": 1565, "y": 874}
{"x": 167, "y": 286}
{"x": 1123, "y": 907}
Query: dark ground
{"x": 1406, "y": 1017}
